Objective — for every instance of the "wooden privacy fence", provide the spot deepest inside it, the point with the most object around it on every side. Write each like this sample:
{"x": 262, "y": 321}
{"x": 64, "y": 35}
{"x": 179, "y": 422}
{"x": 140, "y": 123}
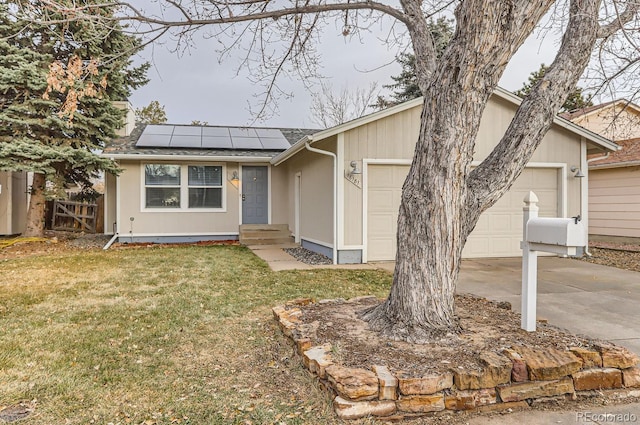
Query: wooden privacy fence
{"x": 75, "y": 216}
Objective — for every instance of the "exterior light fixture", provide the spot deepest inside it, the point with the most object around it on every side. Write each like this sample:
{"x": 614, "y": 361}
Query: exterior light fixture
{"x": 234, "y": 180}
{"x": 577, "y": 172}
{"x": 354, "y": 168}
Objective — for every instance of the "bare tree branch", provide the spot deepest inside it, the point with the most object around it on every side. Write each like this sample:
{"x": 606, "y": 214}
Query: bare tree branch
{"x": 620, "y": 19}
{"x": 537, "y": 111}
{"x": 81, "y": 13}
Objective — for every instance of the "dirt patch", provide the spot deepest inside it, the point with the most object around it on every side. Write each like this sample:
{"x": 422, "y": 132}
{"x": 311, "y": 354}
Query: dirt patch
{"x": 620, "y": 256}
{"x": 15, "y": 412}
{"x": 485, "y": 327}
{"x": 55, "y": 242}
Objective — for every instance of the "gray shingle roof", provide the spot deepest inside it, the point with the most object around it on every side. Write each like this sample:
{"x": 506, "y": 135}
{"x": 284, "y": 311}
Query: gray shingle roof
{"x": 127, "y": 146}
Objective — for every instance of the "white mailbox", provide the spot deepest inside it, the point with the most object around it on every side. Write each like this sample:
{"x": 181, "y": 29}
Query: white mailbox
{"x": 558, "y": 235}
{"x": 556, "y": 231}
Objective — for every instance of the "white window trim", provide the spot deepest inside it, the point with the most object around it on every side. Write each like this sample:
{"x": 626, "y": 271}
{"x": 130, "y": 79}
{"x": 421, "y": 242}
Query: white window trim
{"x": 184, "y": 188}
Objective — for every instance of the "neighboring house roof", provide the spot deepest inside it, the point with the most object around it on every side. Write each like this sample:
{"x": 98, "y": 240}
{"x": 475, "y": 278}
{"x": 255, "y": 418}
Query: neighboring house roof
{"x": 627, "y": 156}
{"x": 582, "y": 112}
{"x": 125, "y": 147}
{"x": 601, "y": 118}
{"x": 597, "y": 140}
{"x": 575, "y": 113}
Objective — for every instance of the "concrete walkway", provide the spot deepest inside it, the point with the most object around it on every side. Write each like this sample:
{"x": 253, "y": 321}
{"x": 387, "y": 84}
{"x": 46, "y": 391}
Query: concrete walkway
{"x": 280, "y": 260}
{"x": 584, "y": 298}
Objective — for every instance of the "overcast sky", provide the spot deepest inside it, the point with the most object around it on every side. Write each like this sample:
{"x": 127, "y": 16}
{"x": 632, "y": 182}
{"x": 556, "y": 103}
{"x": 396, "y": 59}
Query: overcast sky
{"x": 195, "y": 86}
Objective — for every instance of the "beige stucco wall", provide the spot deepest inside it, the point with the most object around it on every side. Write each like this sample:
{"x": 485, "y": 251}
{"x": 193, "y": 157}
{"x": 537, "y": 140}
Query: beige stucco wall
{"x": 279, "y": 195}
{"x": 172, "y": 222}
{"x": 394, "y": 138}
{"x": 316, "y": 192}
{"x": 613, "y": 122}
{"x": 110, "y": 199}
{"x": 13, "y": 202}
{"x": 614, "y": 202}
{"x": 19, "y": 200}
{"x": 5, "y": 204}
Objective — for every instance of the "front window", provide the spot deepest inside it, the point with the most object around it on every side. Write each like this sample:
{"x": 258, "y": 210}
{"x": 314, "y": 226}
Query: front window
{"x": 183, "y": 187}
{"x": 162, "y": 186}
{"x": 205, "y": 186}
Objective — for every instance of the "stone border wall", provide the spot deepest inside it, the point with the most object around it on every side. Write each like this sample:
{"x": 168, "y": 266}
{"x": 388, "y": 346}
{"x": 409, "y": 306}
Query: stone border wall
{"x": 515, "y": 378}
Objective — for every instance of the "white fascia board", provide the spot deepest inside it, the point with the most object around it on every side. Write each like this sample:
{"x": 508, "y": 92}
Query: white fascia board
{"x": 143, "y": 157}
{"x": 294, "y": 149}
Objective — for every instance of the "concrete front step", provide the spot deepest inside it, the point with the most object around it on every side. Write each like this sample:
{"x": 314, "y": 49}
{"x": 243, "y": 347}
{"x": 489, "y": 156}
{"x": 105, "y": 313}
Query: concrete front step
{"x": 269, "y": 227}
{"x": 269, "y": 241}
{"x": 265, "y": 234}
{"x": 261, "y": 234}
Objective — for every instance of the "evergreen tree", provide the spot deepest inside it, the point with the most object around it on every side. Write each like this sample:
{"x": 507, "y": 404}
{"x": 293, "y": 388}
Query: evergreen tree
{"x": 576, "y": 99}
{"x": 405, "y": 86}
{"x": 153, "y": 113}
{"x": 57, "y": 84}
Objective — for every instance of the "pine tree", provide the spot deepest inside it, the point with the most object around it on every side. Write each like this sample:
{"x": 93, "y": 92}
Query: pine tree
{"x": 576, "y": 99}
{"x": 405, "y": 86}
{"x": 57, "y": 84}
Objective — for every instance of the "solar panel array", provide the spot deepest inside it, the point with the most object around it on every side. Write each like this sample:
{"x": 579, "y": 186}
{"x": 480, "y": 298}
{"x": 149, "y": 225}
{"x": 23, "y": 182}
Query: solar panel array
{"x": 188, "y": 136}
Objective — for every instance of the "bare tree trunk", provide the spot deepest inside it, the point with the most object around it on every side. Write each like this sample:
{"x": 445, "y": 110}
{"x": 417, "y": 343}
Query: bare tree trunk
{"x": 442, "y": 199}
{"x": 35, "y": 214}
{"x": 431, "y": 227}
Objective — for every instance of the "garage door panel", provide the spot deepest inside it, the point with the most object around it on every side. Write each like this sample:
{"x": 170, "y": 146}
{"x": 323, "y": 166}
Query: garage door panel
{"x": 505, "y": 231}
{"x": 497, "y": 233}
{"x": 379, "y": 201}
{"x": 382, "y": 178}
{"x": 483, "y": 224}
{"x": 384, "y": 223}
{"x": 383, "y": 202}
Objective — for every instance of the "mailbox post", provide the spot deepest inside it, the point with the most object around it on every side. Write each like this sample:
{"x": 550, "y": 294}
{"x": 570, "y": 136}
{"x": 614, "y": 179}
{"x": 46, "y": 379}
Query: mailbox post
{"x": 558, "y": 235}
{"x": 529, "y": 268}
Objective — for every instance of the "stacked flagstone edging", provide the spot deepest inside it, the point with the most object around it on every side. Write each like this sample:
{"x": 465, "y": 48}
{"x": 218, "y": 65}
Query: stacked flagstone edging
{"x": 515, "y": 378}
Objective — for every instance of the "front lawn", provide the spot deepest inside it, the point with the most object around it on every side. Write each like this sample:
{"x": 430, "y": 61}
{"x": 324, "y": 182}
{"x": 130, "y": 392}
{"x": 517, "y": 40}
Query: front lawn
{"x": 179, "y": 335}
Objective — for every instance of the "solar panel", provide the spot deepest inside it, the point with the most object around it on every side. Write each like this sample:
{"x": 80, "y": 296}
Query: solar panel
{"x": 187, "y": 130}
{"x": 185, "y": 141}
{"x": 246, "y": 143}
{"x": 158, "y": 129}
{"x": 215, "y": 131}
{"x": 209, "y": 142}
{"x": 242, "y": 132}
{"x": 204, "y": 137}
{"x": 275, "y": 143}
{"x": 268, "y": 133}
{"x": 154, "y": 140}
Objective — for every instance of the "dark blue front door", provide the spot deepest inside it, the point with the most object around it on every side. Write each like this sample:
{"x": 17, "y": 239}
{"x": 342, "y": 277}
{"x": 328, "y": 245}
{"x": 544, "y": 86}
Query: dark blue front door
{"x": 255, "y": 192}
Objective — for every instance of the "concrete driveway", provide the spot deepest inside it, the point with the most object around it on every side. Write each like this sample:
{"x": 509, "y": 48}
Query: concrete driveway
{"x": 598, "y": 301}
{"x": 584, "y": 298}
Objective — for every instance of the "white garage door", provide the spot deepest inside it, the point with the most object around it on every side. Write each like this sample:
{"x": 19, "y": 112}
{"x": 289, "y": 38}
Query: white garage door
{"x": 499, "y": 229}
{"x": 498, "y": 232}
{"x": 383, "y": 200}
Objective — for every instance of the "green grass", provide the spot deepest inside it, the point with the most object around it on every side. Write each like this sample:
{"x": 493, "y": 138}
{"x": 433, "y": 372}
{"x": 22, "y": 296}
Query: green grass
{"x": 178, "y": 335}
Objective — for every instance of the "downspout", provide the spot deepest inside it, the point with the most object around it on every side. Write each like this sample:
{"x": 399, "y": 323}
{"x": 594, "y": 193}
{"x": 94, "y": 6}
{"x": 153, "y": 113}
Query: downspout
{"x": 111, "y": 241}
{"x": 335, "y": 196}
{"x": 598, "y": 158}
